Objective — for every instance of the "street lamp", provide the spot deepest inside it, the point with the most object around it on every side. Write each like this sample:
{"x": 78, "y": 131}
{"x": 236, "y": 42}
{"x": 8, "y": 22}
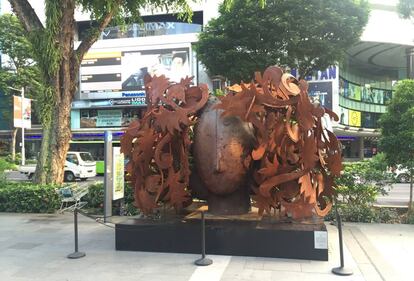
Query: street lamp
{"x": 22, "y": 95}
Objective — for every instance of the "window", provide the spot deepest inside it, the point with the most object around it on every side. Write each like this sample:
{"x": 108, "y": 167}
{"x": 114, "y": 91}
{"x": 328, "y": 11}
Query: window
{"x": 72, "y": 158}
{"x": 86, "y": 156}
{"x": 216, "y": 84}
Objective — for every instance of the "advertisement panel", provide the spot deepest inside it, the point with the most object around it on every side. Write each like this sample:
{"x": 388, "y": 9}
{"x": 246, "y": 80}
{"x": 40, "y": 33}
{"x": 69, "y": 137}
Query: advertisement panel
{"x": 322, "y": 85}
{"x": 104, "y": 118}
{"x": 321, "y": 92}
{"x": 354, "y": 118}
{"x": 370, "y": 120}
{"x": 22, "y": 112}
{"x": 113, "y": 75}
{"x": 118, "y": 174}
{"x": 364, "y": 93}
{"x": 344, "y": 116}
{"x": 109, "y": 118}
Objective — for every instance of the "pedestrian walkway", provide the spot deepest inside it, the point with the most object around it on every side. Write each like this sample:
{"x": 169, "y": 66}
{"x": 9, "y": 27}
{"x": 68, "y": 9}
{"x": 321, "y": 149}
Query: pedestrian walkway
{"x": 34, "y": 247}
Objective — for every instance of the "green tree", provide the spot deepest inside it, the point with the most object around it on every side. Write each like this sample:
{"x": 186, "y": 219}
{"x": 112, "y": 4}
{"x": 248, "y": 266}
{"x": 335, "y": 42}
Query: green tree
{"x": 305, "y": 34}
{"x": 406, "y": 8}
{"x": 19, "y": 69}
{"x": 59, "y": 62}
{"x": 397, "y": 130}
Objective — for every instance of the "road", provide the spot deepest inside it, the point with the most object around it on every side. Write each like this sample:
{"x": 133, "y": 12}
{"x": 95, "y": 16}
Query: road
{"x": 398, "y": 195}
{"x": 17, "y": 176}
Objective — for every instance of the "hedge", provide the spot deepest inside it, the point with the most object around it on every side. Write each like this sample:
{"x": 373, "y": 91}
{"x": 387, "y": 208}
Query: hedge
{"x": 95, "y": 199}
{"x": 28, "y": 198}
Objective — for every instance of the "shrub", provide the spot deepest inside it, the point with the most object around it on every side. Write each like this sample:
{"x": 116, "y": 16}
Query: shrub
{"x": 28, "y": 198}
{"x": 95, "y": 199}
{"x": 408, "y": 217}
{"x": 388, "y": 215}
{"x": 357, "y": 189}
{"x": 95, "y": 196}
{"x": 17, "y": 159}
{"x": 5, "y": 165}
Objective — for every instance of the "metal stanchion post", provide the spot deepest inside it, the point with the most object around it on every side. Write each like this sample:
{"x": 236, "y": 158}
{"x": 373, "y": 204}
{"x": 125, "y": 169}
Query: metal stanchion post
{"x": 203, "y": 261}
{"x": 342, "y": 270}
{"x": 76, "y": 254}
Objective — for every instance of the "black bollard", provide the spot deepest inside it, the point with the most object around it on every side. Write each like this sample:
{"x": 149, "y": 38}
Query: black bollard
{"x": 76, "y": 254}
{"x": 203, "y": 261}
{"x": 342, "y": 270}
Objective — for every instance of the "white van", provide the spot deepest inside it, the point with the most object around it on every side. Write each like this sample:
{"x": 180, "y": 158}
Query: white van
{"x": 79, "y": 165}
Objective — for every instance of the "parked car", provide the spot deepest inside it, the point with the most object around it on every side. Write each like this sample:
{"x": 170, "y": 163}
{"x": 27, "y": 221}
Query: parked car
{"x": 79, "y": 165}
{"x": 402, "y": 175}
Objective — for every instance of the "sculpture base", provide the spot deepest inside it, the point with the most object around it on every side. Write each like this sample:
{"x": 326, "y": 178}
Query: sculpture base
{"x": 258, "y": 237}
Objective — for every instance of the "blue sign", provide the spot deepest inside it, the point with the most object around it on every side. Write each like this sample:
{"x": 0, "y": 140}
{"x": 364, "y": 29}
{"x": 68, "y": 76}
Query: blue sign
{"x": 329, "y": 74}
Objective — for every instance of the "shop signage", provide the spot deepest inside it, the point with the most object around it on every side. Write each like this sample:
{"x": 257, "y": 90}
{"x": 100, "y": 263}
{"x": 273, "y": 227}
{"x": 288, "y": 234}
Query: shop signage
{"x": 112, "y": 95}
{"x": 330, "y": 73}
{"x": 82, "y": 104}
{"x": 150, "y": 29}
{"x": 133, "y": 101}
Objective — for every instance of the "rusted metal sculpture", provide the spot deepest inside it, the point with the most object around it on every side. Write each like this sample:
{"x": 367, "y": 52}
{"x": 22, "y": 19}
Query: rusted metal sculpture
{"x": 158, "y": 144}
{"x": 269, "y": 143}
{"x": 298, "y": 158}
{"x": 221, "y": 150}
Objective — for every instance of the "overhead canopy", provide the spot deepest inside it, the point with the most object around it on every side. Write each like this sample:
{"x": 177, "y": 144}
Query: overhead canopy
{"x": 378, "y": 57}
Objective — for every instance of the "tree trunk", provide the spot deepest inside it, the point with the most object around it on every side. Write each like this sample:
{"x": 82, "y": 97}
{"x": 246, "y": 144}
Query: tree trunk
{"x": 410, "y": 203}
{"x": 13, "y": 144}
{"x": 64, "y": 83}
{"x": 62, "y": 76}
{"x": 43, "y": 160}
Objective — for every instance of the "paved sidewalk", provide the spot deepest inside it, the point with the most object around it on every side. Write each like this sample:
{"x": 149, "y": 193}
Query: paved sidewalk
{"x": 34, "y": 247}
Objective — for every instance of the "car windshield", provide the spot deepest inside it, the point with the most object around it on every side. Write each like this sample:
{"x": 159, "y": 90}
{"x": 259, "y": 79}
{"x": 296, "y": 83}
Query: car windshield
{"x": 86, "y": 156}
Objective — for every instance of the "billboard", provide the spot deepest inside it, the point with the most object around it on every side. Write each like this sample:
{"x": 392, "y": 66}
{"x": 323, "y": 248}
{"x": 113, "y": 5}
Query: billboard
{"x": 364, "y": 93}
{"x": 321, "y": 92}
{"x": 113, "y": 75}
{"x": 354, "y": 118}
{"x": 343, "y": 116}
{"x": 22, "y": 112}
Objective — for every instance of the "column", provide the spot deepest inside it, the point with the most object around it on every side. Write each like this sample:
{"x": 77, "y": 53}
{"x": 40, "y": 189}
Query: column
{"x": 361, "y": 148}
{"x": 410, "y": 63}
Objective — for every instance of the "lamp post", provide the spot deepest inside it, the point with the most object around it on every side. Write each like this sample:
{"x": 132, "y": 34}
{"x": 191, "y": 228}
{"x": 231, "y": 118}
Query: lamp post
{"x": 22, "y": 101}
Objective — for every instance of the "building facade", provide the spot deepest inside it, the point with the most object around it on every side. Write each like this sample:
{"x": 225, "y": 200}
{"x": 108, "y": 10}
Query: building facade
{"x": 384, "y": 55}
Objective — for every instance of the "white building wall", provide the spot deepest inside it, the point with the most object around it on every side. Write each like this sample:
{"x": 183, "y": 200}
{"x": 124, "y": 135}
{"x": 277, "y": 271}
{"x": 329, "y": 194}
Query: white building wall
{"x": 386, "y": 26}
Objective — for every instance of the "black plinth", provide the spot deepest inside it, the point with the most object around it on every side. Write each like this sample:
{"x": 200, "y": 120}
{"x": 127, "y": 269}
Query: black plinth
{"x": 223, "y": 237}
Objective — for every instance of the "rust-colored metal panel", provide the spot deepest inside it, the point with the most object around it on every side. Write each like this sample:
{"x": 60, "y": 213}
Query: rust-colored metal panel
{"x": 265, "y": 139}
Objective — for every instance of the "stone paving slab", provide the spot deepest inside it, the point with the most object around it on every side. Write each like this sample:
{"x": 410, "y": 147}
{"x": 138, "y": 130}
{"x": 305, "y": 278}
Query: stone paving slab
{"x": 34, "y": 247}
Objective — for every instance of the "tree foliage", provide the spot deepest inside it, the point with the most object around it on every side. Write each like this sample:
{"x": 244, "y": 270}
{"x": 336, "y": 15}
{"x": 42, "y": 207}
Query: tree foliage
{"x": 307, "y": 35}
{"x": 406, "y": 8}
{"x": 59, "y": 61}
{"x": 397, "y": 125}
{"x": 19, "y": 69}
